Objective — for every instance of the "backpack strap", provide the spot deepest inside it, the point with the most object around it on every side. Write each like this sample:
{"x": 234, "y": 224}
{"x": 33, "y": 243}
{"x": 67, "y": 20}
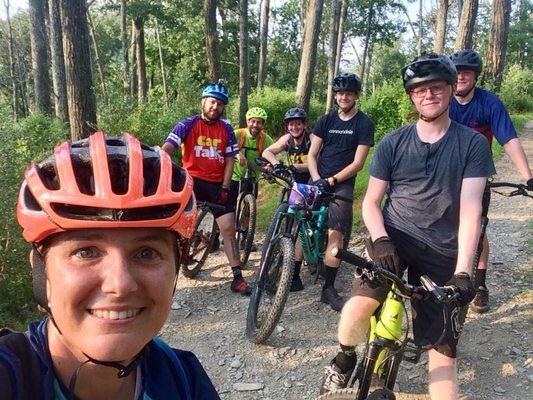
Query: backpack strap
{"x": 261, "y": 142}
{"x": 242, "y": 137}
{"x": 30, "y": 376}
{"x": 176, "y": 363}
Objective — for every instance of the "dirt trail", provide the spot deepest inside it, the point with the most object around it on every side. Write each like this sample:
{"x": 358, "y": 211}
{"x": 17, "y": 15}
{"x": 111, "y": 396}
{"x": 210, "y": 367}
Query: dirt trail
{"x": 495, "y": 355}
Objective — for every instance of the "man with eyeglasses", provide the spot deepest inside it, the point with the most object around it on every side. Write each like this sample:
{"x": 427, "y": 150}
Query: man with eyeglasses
{"x": 484, "y": 112}
{"x": 433, "y": 172}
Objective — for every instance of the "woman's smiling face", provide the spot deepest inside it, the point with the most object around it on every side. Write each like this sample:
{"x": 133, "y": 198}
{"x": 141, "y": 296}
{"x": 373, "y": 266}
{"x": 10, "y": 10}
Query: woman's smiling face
{"x": 110, "y": 290}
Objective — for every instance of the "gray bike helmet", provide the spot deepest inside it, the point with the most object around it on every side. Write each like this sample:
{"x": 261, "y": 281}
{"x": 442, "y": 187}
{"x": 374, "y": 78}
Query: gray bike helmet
{"x": 346, "y": 82}
{"x": 426, "y": 68}
{"x": 295, "y": 113}
{"x": 467, "y": 59}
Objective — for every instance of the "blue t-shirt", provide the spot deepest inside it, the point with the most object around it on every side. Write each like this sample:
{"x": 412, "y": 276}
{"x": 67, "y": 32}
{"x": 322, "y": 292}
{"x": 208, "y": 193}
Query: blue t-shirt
{"x": 166, "y": 373}
{"x": 486, "y": 114}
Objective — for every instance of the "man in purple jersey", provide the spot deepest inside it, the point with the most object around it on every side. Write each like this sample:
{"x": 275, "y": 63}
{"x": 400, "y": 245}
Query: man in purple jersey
{"x": 484, "y": 112}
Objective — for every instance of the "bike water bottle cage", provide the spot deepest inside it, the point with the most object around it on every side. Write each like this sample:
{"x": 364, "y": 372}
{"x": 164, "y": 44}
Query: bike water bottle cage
{"x": 303, "y": 197}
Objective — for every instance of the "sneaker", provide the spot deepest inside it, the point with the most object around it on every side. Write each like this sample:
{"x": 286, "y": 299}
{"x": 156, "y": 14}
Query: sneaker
{"x": 241, "y": 286}
{"x": 334, "y": 378}
{"x": 296, "y": 284}
{"x": 480, "y": 304}
{"x": 331, "y": 296}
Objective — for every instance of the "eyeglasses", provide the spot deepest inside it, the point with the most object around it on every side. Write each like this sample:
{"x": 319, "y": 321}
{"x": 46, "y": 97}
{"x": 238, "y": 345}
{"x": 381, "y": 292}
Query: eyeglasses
{"x": 434, "y": 90}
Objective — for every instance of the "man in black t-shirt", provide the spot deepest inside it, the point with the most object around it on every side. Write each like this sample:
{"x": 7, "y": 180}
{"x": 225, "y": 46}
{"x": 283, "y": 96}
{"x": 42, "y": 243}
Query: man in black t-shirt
{"x": 339, "y": 146}
{"x": 433, "y": 172}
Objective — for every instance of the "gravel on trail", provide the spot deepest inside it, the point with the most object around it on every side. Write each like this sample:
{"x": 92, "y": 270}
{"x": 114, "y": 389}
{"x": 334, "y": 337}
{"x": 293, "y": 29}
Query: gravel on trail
{"x": 495, "y": 351}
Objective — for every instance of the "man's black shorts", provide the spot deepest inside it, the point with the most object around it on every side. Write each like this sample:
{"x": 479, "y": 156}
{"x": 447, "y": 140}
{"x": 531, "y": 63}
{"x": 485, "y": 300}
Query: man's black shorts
{"x": 210, "y": 192}
{"x": 340, "y": 212}
{"x": 420, "y": 260}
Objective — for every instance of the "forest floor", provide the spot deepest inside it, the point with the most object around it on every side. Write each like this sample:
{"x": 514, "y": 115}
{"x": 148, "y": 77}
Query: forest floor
{"x": 495, "y": 351}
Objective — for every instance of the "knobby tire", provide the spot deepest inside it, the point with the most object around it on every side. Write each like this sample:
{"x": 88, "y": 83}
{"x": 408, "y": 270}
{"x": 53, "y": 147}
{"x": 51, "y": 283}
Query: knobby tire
{"x": 199, "y": 244}
{"x": 246, "y": 208}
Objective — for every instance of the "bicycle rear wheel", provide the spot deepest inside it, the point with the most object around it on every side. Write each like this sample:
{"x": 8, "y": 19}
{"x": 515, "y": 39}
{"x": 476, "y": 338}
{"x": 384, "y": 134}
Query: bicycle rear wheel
{"x": 271, "y": 289}
{"x": 245, "y": 224}
{"x": 197, "y": 248}
{"x": 342, "y": 394}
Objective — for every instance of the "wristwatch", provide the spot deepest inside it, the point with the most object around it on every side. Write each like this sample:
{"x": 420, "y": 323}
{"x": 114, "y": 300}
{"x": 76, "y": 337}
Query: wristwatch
{"x": 335, "y": 180}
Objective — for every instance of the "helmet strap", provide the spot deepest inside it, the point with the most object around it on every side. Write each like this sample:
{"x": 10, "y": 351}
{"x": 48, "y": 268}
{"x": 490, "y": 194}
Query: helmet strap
{"x": 426, "y": 119}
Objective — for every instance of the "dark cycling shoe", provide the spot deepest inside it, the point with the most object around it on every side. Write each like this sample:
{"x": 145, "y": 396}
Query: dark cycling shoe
{"x": 331, "y": 296}
{"x": 215, "y": 246}
{"x": 241, "y": 286}
{"x": 480, "y": 304}
{"x": 334, "y": 378}
{"x": 296, "y": 284}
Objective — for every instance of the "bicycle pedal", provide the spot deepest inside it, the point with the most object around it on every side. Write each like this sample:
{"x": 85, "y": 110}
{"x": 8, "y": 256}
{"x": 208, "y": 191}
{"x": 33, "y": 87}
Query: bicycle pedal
{"x": 412, "y": 356}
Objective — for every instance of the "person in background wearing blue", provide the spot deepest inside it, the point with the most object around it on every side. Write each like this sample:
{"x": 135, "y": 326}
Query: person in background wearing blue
{"x": 105, "y": 216}
{"x": 484, "y": 112}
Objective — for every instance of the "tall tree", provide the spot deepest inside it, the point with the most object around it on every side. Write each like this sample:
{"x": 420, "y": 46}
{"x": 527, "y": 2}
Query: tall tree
{"x": 244, "y": 62}
{"x": 12, "y": 75}
{"x": 133, "y": 70}
{"x": 440, "y": 35}
{"x": 97, "y": 57}
{"x": 307, "y": 65}
{"x": 125, "y": 47}
{"x": 211, "y": 39}
{"x": 142, "y": 84}
{"x": 467, "y": 22}
{"x": 340, "y": 38}
{"x": 265, "y": 11}
{"x": 77, "y": 52}
{"x": 368, "y": 34}
{"x": 332, "y": 56}
{"x": 499, "y": 31}
{"x": 161, "y": 64}
{"x": 39, "y": 56}
{"x": 420, "y": 25}
{"x": 59, "y": 79}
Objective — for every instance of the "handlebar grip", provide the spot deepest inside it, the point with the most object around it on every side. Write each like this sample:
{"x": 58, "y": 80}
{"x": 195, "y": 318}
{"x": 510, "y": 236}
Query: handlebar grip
{"x": 431, "y": 287}
{"x": 349, "y": 257}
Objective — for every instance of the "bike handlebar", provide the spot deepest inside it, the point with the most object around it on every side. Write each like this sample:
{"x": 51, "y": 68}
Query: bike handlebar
{"x": 521, "y": 190}
{"x": 372, "y": 271}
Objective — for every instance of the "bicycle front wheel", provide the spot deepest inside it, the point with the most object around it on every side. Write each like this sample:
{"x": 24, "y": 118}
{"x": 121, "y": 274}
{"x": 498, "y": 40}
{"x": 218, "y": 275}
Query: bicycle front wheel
{"x": 197, "y": 248}
{"x": 245, "y": 225}
{"x": 271, "y": 289}
{"x": 342, "y": 394}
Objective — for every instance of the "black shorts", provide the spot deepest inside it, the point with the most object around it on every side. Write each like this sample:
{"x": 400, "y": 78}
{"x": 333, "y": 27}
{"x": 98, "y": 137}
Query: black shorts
{"x": 419, "y": 259}
{"x": 485, "y": 203}
{"x": 340, "y": 212}
{"x": 210, "y": 192}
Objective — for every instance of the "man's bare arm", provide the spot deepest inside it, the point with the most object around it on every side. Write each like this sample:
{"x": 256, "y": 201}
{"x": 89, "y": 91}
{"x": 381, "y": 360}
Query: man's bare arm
{"x": 516, "y": 153}
{"x": 312, "y": 156}
{"x": 372, "y": 215}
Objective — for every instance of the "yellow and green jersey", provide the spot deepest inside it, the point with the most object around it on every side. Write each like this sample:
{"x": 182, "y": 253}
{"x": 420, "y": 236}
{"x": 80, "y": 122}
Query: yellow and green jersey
{"x": 250, "y": 148}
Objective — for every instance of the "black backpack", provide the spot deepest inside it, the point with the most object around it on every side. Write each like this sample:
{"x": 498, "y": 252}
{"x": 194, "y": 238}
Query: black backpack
{"x": 19, "y": 344}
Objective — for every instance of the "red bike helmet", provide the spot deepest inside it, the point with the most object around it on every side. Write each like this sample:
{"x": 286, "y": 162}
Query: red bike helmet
{"x": 105, "y": 182}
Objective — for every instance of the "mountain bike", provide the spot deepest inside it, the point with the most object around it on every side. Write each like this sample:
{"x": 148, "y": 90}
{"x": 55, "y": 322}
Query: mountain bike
{"x": 246, "y": 215}
{"x": 301, "y": 215}
{"x": 196, "y": 249}
{"x": 388, "y": 344}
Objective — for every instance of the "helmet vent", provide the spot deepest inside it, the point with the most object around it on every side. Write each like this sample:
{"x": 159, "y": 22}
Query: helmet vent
{"x": 112, "y": 214}
{"x": 83, "y": 171}
{"x": 30, "y": 201}
{"x": 178, "y": 178}
{"x": 151, "y": 173}
{"x": 119, "y": 171}
{"x": 48, "y": 174}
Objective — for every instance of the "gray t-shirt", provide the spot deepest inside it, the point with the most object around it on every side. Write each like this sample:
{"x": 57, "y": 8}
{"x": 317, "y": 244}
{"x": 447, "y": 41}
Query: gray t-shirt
{"x": 425, "y": 181}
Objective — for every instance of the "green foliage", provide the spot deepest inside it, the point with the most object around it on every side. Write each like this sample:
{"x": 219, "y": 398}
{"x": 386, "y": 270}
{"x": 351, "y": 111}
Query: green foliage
{"x": 276, "y": 102}
{"x": 31, "y": 140}
{"x": 389, "y": 107}
{"x": 516, "y": 90}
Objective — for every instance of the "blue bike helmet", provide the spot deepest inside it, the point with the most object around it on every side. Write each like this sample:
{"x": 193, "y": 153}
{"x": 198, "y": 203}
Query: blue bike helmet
{"x": 217, "y": 90}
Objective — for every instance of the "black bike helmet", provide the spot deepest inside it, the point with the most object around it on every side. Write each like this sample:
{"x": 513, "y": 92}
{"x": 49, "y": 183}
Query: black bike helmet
{"x": 428, "y": 67}
{"x": 346, "y": 82}
{"x": 295, "y": 113}
{"x": 467, "y": 59}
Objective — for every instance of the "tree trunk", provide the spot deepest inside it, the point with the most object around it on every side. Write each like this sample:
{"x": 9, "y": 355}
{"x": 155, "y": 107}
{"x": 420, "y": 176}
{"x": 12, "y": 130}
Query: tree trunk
{"x": 367, "y": 40}
{"x": 77, "y": 52}
{"x": 368, "y": 66}
{"x": 97, "y": 58}
{"x": 211, "y": 40}
{"x": 332, "y": 56}
{"x": 58, "y": 62}
{"x": 420, "y": 27}
{"x": 133, "y": 70}
{"x": 12, "y": 75}
{"x": 244, "y": 62}
{"x": 125, "y": 47}
{"x": 499, "y": 31}
{"x": 340, "y": 39}
{"x": 141, "y": 61}
{"x": 39, "y": 56}
{"x": 307, "y": 64}
{"x": 162, "y": 64}
{"x": 265, "y": 11}
{"x": 465, "y": 29}
{"x": 440, "y": 34}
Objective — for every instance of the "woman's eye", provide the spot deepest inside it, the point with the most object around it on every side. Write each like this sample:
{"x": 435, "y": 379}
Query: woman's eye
{"x": 86, "y": 252}
{"x": 148, "y": 254}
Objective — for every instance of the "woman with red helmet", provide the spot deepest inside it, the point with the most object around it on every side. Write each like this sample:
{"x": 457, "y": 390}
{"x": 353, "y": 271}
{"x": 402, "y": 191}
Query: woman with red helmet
{"x": 102, "y": 215}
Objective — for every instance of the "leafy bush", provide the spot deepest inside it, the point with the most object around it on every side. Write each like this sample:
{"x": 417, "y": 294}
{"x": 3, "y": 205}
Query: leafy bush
{"x": 30, "y": 140}
{"x": 516, "y": 90}
{"x": 276, "y": 102}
